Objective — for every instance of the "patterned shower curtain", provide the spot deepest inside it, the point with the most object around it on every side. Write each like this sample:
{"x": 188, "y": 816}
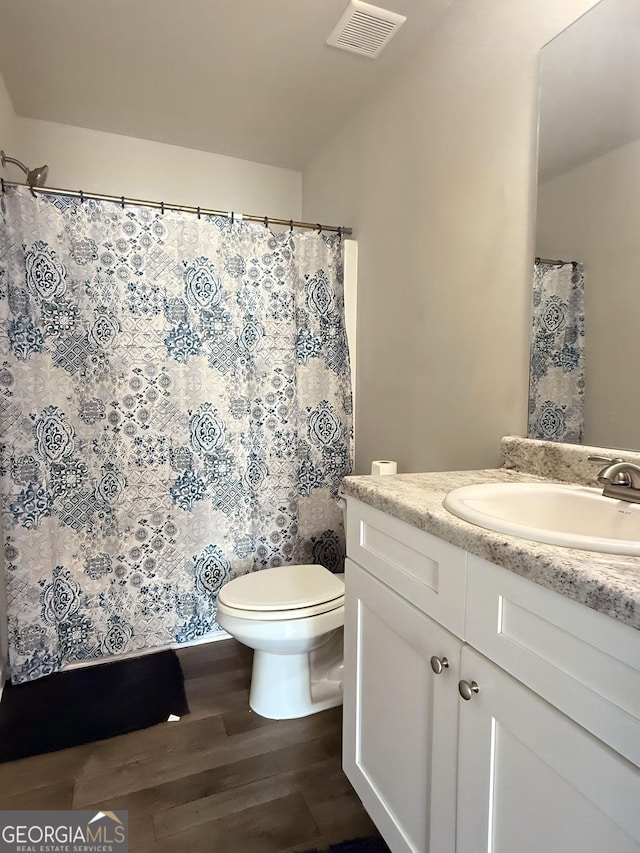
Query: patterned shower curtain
{"x": 556, "y": 379}
{"x": 175, "y": 411}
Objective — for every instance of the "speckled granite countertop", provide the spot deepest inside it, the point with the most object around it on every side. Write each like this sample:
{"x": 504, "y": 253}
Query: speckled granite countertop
{"x": 607, "y": 583}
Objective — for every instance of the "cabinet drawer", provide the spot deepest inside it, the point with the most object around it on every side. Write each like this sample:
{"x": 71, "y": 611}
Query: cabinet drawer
{"x": 584, "y": 663}
{"x": 426, "y": 571}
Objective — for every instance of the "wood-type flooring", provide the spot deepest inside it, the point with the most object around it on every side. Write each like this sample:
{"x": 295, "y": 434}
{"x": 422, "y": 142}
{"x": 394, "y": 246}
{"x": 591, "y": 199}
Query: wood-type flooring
{"x": 221, "y": 780}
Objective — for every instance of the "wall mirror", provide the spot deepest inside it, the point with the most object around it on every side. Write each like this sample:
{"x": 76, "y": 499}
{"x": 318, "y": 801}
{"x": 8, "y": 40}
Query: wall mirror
{"x": 588, "y": 214}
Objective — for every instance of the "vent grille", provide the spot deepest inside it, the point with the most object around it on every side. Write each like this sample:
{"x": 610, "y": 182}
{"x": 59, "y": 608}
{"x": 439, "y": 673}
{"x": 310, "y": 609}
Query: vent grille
{"x": 365, "y": 29}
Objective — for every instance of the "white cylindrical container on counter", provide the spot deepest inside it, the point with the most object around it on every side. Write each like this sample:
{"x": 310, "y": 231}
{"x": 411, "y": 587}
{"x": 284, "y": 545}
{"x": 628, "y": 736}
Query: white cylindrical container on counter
{"x": 380, "y": 467}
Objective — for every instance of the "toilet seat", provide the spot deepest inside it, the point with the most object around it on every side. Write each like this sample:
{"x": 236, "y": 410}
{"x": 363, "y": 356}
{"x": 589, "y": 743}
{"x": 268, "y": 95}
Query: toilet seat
{"x": 282, "y": 592}
{"x": 281, "y": 615}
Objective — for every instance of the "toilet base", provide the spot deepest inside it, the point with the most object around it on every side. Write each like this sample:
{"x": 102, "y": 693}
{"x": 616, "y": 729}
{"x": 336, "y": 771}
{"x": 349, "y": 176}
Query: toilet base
{"x": 285, "y": 687}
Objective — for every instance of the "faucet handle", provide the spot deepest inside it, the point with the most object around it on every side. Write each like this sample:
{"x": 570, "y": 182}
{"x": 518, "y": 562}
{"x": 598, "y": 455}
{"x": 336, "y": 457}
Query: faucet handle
{"x": 622, "y": 478}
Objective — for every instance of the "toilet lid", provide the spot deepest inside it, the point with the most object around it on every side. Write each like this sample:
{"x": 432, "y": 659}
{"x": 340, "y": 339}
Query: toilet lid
{"x": 282, "y": 588}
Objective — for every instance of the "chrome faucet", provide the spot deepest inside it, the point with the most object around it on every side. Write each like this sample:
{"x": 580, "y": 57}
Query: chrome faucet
{"x": 621, "y": 480}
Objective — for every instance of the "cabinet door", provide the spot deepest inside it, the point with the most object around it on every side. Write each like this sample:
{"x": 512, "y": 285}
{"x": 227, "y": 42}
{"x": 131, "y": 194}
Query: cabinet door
{"x": 532, "y": 780}
{"x": 393, "y": 705}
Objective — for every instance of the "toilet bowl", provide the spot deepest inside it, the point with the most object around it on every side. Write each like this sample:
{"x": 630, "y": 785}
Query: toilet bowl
{"x": 293, "y": 617}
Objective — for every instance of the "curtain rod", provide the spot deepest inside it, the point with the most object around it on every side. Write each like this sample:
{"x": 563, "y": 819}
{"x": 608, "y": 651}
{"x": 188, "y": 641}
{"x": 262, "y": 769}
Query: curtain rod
{"x": 183, "y": 208}
{"x": 553, "y": 263}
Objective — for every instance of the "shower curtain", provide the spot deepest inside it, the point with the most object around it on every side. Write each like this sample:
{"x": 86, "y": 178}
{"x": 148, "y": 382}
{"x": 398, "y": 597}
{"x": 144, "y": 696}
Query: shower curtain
{"x": 175, "y": 410}
{"x": 556, "y": 378}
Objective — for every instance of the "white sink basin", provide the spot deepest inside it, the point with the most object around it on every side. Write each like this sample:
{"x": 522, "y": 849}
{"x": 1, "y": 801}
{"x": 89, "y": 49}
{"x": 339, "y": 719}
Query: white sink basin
{"x": 572, "y": 516}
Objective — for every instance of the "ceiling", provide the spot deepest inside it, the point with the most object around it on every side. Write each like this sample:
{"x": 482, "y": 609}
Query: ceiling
{"x": 247, "y": 78}
{"x": 590, "y": 88}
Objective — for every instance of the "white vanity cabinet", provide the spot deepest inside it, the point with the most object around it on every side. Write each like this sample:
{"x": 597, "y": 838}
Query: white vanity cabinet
{"x": 543, "y": 757}
{"x": 531, "y": 780}
{"x": 400, "y": 722}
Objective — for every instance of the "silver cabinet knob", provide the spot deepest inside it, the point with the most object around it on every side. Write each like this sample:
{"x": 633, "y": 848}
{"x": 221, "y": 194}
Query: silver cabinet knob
{"x": 467, "y": 690}
{"x": 438, "y": 664}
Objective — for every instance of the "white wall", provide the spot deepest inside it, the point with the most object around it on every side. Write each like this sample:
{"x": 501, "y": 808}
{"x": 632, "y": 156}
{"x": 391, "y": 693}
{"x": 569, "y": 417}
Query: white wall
{"x": 7, "y": 120}
{"x": 91, "y": 160}
{"x": 592, "y": 214}
{"x": 436, "y": 173}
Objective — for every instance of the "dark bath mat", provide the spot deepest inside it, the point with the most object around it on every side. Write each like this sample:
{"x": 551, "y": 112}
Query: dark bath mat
{"x": 70, "y": 708}
{"x": 358, "y": 845}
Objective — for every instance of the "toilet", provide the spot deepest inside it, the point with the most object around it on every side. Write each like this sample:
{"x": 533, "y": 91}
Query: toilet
{"x": 293, "y": 617}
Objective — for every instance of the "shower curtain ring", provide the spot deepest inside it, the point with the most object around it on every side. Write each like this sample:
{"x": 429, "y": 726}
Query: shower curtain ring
{"x": 198, "y": 213}
{"x": 3, "y": 186}
{"x": 81, "y": 197}
{"x": 319, "y": 227}
{"x": 122, "y": 201}
{"x": 340, "y": 232}
{"x": 266, "y": 222}
{"x": 162, "y": 208}
{"x": 33, "y": 192}
{"x": 291, "y": 226}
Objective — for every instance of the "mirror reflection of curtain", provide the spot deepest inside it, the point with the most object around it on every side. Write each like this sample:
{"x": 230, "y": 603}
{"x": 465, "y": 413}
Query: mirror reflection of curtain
{"x": 556, "y": 379}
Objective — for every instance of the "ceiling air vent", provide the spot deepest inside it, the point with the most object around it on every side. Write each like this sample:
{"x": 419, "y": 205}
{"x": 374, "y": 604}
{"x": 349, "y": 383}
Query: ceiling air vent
{"x": 365, "y": 29}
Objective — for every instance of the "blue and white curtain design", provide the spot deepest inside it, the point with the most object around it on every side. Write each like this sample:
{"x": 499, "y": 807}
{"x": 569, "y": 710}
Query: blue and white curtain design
{"x": 175, "y": 411}
{"x": 557, "y": 380}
